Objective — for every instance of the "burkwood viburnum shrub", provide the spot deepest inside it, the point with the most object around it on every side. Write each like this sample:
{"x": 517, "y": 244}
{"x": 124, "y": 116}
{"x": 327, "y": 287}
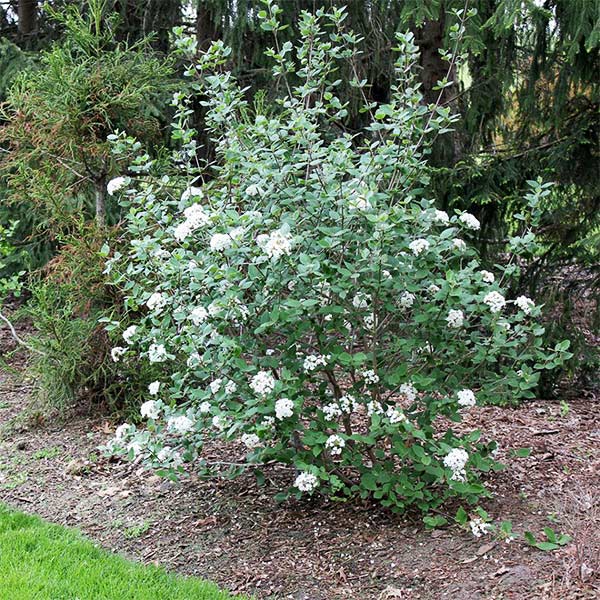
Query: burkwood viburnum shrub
{"x": 308, "y": 301}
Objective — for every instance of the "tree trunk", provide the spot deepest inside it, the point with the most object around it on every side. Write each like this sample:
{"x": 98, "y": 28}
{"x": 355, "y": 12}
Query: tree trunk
{"x": 430, "y": 39}
{"x": 27, "y": 14}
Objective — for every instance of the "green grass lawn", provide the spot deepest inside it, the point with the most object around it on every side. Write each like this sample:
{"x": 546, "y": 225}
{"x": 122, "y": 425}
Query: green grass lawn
{"x": 39, "y": 561}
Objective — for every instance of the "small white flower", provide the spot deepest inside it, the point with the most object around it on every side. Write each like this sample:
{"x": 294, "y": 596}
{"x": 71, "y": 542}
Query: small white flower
{"x": 182, "y": 231}
{"x": 395, "y": 415}
{"x": 114, "y": 185}
{"x": 196, "y": 216}
{"x": 192, "y": 192}
{"x": 407, "y": 299}
{"x": 314, "y": 361}
{"x": 122, "y": 431}
{"x": 153, "y": 388}
{"x": 230, "y": 387}
{"x": 335, "y": 444}
{"x": 525, "y": 304}
{"x": 433, "y": 289}
{"x": 374, "y": 408}
{"x": 469, "y": 221}
{"x": 456, "y": 460}
{"x": 306, "y": 482}
{"x": 409, "y": 391}
{"x": 455, "y": 318}
{"x": 487, "y": 277}
{"x": 220, "y": 242}
{"x": 284, "y": 408}
{"x": 219, "y": 422}
{"x": 253, "y": 190}
{"x": 157, "y": 353}
{"x": 263, "y": 383}
{"x": 348, "y": 403}
{"x": 370, "y": 377}
{"x": 361, "y": 300}
{"x": 198, "y": 315}
{"x": 156, "y": 302}
{"x": 161, "y": 254}
{"x": 275, "y": 245}
{"x": 250, "y": 440}
{"x": 117, "y": 352}
{"x": 150, "y": 410}
{"x": 478, "y": 527}
{"x": 268, "y": 421}
{"x": 215, "y": 385}
{"x": 204, "y": 407}
{"x": 466, "y": 398}
{"x": 169, "y": 456}
{"x": 495, "y": 301}
{"x": 459, "y": 244}
{"x": 129, "y": 334}
{"x": 419, "y": 246}
{"x": 441, "y": 217}
{"x": 194, "y": 360}
{"x": 180, "y": 425}
{"x": 331, "y": 411}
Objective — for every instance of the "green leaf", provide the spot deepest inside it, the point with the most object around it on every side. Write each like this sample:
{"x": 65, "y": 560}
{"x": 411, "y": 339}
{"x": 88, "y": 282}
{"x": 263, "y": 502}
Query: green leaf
{"x": 521, "y": 452}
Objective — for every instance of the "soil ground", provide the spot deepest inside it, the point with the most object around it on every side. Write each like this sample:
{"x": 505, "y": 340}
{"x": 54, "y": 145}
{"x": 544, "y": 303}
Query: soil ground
{"x": 234, "y": 533}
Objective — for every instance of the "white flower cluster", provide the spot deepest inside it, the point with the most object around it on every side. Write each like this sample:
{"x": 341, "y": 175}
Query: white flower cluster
{"x": 395, "y": 415}
{"x": 370, "y": 377}
{"x": 314, "y": 361}
{"x": 153, "y": 388}
{"x": 455, "y": 318}
{"x": 361, "y": 300}
{"x": 469, "y": 221}
{"x": 495, "y": 301}
{"x": 180, "y": 425}
{"x": 441, "y": 217}
{"x": 150, "y": 410}
{"x": 374, "y": 408}
{"x": 220, "y": 241}
{"x": 198, "y": 315}
{"x": 407, "y": 299}
{"x": 157, "y": 353}
{"x": 284, "y": 408}
{"x": 276, "y": 244}
{"x": 115, "y": 184}
{"x": 169, "y": 456}
{"x": 263, "y": 383}
{"x": 487, "y": 277}
{"x": 456, "y": 460}
{"x": 156, "y": 302}
{"x": 478, "y": 527}
{"x": 346, "y": 404}
{"x": 459, "y": 244}
{"x": 525, "y": 304}
{"x": 117, "y": 352}
{"x": 306, "y": 482}
{"x": 129, "y": 334}
{"x": 250, "y": 440}
{"x": 466, "y": 398}
{"x": 408, "y": 391}
{"x": 195, "y": 217}
{"x": 419, "y": 246}
{"x": 335, "y": 444}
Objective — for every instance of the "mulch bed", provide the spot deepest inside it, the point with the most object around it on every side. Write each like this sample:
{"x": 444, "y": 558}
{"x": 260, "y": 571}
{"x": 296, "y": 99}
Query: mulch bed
{"x": 234, "y": 533}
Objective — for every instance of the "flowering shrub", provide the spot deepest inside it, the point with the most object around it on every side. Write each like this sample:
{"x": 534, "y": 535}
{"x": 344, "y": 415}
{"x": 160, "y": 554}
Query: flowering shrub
{"x": 304, "y": 296}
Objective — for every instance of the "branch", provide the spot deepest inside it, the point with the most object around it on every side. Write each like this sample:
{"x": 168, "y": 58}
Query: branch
{"x": 17, "y": 338}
